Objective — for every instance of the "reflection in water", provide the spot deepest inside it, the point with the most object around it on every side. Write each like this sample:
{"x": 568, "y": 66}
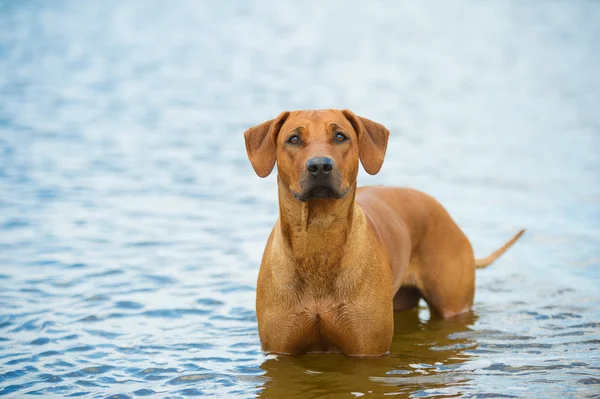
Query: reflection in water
{"x": 423, "y": 360}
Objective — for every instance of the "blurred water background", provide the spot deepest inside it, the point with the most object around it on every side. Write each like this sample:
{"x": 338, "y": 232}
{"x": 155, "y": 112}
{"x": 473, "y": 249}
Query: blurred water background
{"x": 132, "y": 225}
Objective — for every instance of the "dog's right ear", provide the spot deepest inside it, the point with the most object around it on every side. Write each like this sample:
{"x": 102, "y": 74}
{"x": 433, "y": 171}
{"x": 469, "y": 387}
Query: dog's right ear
{"x": 261, "y": 144}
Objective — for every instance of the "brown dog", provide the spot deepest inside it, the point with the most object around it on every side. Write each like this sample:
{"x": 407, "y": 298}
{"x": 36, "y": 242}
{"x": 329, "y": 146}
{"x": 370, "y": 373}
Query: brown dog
{"x": 339, "y": 260}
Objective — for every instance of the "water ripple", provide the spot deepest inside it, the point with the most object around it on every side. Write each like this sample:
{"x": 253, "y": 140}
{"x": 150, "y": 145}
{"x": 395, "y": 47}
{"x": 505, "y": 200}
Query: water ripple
{"x": 132, "y": 224}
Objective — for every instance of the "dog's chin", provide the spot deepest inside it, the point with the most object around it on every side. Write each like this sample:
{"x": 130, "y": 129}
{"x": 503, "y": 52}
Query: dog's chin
{"x": 320, "y": 192}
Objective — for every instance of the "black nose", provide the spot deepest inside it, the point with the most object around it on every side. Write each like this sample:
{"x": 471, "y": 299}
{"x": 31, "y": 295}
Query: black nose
{"x": 318, "y": 167}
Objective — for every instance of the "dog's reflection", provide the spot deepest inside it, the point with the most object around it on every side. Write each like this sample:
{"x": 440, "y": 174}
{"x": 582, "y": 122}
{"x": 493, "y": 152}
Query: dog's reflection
{"x": 425, "y": 354}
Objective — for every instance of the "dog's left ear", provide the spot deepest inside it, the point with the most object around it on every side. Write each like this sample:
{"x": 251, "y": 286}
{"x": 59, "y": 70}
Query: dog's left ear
{"x": 260, "y": 144}
{"x": 372, "y": 141}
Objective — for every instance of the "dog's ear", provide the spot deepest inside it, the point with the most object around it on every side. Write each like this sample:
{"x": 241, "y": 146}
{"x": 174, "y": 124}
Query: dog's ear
{"x": 372, "y": 141}
{"x": 260, "y": 144}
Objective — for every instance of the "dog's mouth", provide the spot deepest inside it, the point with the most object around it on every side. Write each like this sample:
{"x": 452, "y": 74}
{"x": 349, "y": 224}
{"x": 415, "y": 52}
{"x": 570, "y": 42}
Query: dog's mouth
{"x": 320, "y": 192}
{"x": 323, "y": 187}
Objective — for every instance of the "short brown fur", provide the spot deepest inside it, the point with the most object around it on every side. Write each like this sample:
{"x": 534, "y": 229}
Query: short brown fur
{"x": 335, "y": 269}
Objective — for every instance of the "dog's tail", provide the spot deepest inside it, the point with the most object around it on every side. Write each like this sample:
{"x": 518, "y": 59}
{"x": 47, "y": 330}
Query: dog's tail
{"x": 481, "y": 263}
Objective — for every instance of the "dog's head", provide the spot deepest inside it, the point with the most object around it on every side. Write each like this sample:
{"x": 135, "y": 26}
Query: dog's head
{"x": 317, "y": 152}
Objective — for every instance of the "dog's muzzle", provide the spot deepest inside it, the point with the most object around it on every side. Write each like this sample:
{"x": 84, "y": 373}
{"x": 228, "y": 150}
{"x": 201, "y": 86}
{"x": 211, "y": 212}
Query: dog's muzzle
{"x": 321, "y": 180}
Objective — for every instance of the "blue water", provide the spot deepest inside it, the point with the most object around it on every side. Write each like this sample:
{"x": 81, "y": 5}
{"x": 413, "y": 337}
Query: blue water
{"x": 132, "y": 225}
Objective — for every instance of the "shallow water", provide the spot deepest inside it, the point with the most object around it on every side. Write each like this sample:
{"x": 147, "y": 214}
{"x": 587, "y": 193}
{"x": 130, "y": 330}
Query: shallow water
{"x": 132, "y": 225}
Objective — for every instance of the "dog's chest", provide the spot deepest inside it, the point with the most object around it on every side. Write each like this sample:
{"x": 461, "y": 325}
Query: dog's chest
{"x": 319, "y": 323}
{"x": 315, "y": 309}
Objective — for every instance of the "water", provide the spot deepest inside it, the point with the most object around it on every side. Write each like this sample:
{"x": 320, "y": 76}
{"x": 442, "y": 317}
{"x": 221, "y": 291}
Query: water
{"x": 132, "y": 225}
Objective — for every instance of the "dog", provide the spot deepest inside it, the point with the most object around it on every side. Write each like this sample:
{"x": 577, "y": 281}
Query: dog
{"x": 341, "y": 259}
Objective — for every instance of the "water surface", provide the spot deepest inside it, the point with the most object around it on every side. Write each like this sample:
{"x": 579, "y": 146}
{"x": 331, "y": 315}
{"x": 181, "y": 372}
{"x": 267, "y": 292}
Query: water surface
{"x": 132, "y": 225}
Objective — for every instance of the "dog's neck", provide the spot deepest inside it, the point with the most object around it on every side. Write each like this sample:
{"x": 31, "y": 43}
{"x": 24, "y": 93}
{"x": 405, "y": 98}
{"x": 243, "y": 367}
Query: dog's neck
{"x": 315, "y": 231}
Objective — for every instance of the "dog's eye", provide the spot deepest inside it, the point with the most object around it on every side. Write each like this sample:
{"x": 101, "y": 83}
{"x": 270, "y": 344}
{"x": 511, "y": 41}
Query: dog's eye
{"x": 294, "y": 139}
{"x": 339, "y": 137}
